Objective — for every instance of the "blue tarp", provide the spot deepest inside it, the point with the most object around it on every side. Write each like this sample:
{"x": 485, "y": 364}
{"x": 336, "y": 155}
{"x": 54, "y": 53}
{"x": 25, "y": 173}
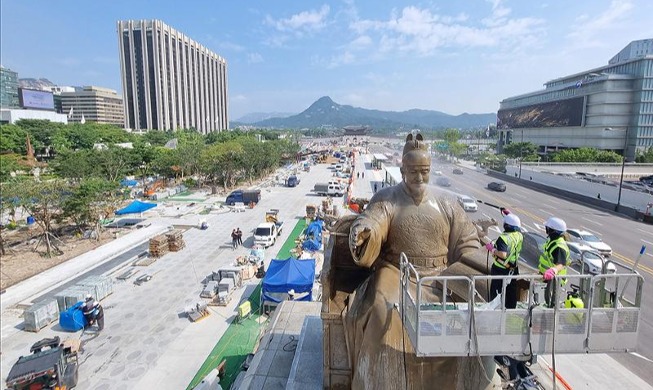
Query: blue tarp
{"x": 136, "y": 207}
{"x": 128, "y": 183}
{"x": 290, "y": 274}
{"x": 72, "y": 319}
{"x": 312, "y": 245}
{"x": 315, "y": 229}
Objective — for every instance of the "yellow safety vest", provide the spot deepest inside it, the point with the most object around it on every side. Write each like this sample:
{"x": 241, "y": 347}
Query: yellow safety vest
{"x": 546, "y": 258}
{"x": 514, "y": 242}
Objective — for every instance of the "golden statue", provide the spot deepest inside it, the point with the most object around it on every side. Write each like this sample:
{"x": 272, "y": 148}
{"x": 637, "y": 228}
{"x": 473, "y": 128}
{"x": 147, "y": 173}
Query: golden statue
{"x": 438, "y": 239}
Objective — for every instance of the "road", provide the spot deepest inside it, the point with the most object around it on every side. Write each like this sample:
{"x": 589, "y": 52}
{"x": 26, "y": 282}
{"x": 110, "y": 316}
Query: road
{"x": 624, "y": 235}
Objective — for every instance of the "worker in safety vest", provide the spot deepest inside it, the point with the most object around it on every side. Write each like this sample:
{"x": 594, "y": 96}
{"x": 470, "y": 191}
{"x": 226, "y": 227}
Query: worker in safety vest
{"x": 506, "y": 251}
{"x": 554, "y": 259}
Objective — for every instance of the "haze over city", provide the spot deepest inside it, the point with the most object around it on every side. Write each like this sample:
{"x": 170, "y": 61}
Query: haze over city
{"x": 454, "y": 57}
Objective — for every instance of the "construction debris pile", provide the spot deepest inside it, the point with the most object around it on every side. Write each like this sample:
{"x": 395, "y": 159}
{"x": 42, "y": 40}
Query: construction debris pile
{"x": 175, "y": 241}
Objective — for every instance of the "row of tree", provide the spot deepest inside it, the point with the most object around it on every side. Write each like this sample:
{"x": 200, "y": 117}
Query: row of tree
{"x": 81, "y": 167}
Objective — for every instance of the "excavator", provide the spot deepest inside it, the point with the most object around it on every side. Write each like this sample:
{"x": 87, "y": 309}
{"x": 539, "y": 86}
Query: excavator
{"x": 152, "y": 188}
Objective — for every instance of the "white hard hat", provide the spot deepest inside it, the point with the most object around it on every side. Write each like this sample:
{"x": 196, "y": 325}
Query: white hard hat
{"x": 291, "y": 292}
{"x": 89, "y": 297}
{"x": 556, "y": 224}
{"x": 512, "y": 220}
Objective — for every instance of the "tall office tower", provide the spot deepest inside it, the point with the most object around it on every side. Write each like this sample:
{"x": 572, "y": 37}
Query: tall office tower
{"x": 170, "y": 81}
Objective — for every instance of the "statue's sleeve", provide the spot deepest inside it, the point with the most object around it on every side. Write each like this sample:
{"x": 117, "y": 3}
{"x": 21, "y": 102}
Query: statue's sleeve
{"x": 464, "y": 243}
{"x": 377, "y": 218}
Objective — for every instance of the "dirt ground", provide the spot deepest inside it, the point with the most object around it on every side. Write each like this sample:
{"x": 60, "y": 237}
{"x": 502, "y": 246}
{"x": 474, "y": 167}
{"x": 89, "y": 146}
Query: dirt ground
{"x": 21, "y": 262}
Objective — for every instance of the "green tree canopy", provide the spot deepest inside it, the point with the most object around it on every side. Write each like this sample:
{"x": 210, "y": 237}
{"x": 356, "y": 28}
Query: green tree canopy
{"x": 586, "y": 155}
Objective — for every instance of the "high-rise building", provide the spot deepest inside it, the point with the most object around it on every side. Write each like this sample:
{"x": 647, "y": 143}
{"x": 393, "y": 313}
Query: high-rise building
{"x": 170, "y": 81}
{"x": 94, "y": 104}
{"x": 8, "y": 88}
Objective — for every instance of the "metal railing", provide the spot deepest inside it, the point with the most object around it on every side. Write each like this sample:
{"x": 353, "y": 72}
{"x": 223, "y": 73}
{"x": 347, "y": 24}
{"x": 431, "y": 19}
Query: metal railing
{"x": 440, "y": 322}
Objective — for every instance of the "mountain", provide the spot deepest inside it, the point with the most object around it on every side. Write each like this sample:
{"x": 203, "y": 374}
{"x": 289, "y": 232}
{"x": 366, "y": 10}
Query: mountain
{"x": 39, "y": 84}
{"x": 261, "y": 116}
{"x": 327, "y": 112}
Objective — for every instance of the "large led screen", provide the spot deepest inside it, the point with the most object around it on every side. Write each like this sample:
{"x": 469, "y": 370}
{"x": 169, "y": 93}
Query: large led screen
{"x": 40, "y": 100}
{"x": 561, "y": 113}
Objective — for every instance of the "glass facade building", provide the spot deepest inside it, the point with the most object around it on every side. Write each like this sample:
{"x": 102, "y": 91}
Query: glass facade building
{"x": 8, "y": 88}
{"x": 170, "y": 81}
{"x": 609, "y": 108}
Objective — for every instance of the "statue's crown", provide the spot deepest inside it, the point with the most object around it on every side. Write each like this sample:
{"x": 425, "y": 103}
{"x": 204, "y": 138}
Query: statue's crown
{"x": 414, "y": 143}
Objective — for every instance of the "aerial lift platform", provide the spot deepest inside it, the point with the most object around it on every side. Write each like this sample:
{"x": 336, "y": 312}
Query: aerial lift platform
{"x": 463, "y": 324}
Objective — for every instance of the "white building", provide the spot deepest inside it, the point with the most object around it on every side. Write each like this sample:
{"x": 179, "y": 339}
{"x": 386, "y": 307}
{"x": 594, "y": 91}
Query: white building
{"x": 170, "y": 81}
{"x": 13, "y": 115}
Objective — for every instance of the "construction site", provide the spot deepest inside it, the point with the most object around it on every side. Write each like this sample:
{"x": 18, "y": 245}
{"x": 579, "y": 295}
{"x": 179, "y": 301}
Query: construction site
{"x": 187, "y": 305}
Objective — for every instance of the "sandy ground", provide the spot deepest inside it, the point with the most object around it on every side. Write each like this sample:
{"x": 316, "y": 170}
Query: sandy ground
{"x": 22, "y": 262}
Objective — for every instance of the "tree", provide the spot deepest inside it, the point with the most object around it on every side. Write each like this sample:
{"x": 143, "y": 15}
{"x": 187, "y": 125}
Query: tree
{"x": 12, "y": 139}
{"x": 646, "y": 156}
{"x": 223, "y": 162}
{"x": 9, "y": 162}
{"x": 92, "y": 200}
{"x": 451, "y": 135}
{"x": 74, "y": 164}
{"x": 586, "y": 155}
{"x": 43, "y": 201}
{"x": 520, "y": 149}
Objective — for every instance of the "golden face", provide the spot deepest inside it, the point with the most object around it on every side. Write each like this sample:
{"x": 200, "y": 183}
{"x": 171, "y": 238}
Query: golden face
{"x": 416, "y": 171}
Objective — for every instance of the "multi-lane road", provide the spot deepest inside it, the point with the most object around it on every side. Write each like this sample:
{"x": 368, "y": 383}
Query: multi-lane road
{"x": 624, "y": 235}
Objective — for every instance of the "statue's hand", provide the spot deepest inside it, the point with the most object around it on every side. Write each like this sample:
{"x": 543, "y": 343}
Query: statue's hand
{"x": 362, "y": 235}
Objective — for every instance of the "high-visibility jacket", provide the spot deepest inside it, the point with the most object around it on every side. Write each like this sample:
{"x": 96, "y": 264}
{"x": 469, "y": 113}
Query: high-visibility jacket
{"x": 546, "y": 258}
{"x": 514, "y": 241}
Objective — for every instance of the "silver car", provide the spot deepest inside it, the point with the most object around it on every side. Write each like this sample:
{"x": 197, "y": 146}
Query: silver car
{"x": 592, "y": 261}
{"x": 468, "y": 203}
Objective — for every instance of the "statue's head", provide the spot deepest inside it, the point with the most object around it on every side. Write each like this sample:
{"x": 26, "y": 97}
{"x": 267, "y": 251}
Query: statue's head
{"x": 416, "y": 165}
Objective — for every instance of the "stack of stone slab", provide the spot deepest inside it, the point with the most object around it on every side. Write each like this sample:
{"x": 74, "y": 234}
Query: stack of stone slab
{"x": 40, "y": 315}
{"x": 159, "y": 246}
{"x": 101, "y": 285}
{"x": 175, "y": 241}
{"x": 70, "y": 296}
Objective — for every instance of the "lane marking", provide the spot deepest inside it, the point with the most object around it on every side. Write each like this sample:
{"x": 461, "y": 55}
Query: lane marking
{"x": 519, "y": 195}
{"x": 548, "y": 205}
{"x": 628, "y": 261}
{"x": 648, "y": 242}
{"x": 591, "y": 221}
{"x": 547, "y": 212}
{"x": 645, "y": 231}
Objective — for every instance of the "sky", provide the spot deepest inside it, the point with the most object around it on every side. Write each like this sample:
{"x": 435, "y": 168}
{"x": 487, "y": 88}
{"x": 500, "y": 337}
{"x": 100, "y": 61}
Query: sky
{"x": 450, "y": 56}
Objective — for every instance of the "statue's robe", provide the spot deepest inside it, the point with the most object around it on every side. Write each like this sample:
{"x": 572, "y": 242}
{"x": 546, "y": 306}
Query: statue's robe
{"x": 433, "y": 234}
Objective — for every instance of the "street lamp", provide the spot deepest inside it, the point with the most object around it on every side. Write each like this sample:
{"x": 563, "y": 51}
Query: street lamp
{"x": 623, "y": 166}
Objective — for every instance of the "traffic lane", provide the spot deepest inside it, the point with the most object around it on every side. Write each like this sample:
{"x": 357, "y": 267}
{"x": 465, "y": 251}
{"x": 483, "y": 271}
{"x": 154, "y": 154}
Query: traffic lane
{"x": 624, "y": 235}
{"x": 534, "y": 207}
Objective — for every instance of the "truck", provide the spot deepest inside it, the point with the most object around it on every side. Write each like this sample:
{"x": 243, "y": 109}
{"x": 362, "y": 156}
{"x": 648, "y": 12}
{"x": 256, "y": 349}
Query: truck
{"x": 330, "y": 189}
{"x": 50, "y": 365}
{"x": 292, "y": 181}
{"x": 266, "y": 233}
{"x": 243, "y": 196}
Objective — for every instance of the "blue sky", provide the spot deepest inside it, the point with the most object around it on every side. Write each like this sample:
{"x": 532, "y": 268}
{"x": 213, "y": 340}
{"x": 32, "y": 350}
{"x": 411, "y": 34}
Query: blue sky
{"x": 451, "y": 56}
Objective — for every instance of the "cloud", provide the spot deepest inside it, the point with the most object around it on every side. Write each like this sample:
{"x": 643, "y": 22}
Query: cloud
{"x": 254, "y": 58}
{"x": 589, "y": 30}
{"x": 238, "y": 98}
{"x": 421, "y": 31}
{"x": 306, "y": 21}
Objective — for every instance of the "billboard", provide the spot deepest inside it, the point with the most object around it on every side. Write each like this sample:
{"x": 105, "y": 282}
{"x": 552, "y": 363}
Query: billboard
{"x": 561, "y": 113}
{"x": 38, "y": 100}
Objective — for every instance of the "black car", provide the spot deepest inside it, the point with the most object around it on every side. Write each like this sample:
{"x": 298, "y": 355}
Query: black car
{"x": 497, "y": 186}
{"x": 457, "y": 171}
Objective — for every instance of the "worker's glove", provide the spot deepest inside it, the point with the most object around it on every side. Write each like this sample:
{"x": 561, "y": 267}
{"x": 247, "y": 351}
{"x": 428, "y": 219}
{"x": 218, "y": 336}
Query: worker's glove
{"x": 489, "y": 246}
{"x": 550, "y": 273}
